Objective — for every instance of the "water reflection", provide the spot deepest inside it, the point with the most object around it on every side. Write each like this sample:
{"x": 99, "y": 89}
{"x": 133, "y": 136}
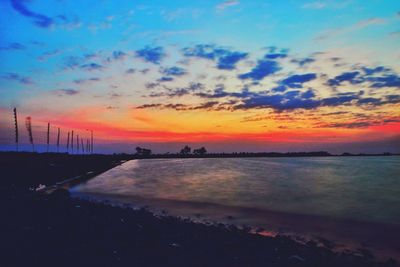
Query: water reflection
{"x": 358, "y": 188}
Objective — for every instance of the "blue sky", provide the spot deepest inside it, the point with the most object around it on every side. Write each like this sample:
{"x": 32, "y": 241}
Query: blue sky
{"x": 238, "y": 58}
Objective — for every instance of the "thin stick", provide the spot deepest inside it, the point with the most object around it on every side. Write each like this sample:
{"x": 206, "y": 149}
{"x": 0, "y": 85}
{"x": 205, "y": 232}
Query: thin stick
{"x": 58, "y": 140}
{"x": 77, "y": 144}
{"x": 72, "y": 142}
{"x": 91, "y": 137}
{"x": 48, "y": 136}
{"x": 68, "y": 143}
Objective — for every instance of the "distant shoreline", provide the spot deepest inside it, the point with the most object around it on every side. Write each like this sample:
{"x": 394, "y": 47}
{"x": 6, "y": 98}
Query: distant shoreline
{"x": 217, "y": 155}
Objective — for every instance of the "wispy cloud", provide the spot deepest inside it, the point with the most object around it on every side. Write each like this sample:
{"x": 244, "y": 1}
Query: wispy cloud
{"x": 18, "y": 78}
{"x": 226, "y": 4}
{"x": 355, "y": 27}
{"x": 66, "y": 92}
{"x": 83, "y": 81}
{"x": 48, "y": 54}
{"x": 13, "y": 46}
{"x": 314, "y": 5}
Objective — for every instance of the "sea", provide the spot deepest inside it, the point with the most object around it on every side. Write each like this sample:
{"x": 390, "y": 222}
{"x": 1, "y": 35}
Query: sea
{"x": 352, "y": 201}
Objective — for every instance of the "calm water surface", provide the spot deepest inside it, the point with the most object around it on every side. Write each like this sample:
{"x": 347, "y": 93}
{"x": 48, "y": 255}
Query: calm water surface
{"x": 356, "y": 188}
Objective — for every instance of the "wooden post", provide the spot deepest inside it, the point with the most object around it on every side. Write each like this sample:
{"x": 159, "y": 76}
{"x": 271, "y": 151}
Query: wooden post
{"x": 16, "y": 128}
{"x": 58, "y": 140}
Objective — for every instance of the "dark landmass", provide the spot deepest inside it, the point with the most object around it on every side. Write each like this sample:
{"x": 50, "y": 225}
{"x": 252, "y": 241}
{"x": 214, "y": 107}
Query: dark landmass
{"x": 257, "y": 155}
{"x": 40, "y": 229}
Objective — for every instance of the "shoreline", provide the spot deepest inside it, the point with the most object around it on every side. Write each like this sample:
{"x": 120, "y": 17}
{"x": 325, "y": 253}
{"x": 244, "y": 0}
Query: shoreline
{"x": 381, "y": 239}
{"x": 56, "y": 226}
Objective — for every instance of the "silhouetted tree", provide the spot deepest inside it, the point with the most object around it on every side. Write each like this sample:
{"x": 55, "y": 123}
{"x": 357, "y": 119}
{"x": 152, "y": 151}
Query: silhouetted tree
{"x": 83, "y": 148}
{"x": 16, "y": 127}
{"x": 185, "y": 151}
{"x": 200, "y": 151}
{"x": 68, "y": 143}
{"x": 28, "y": 124}
{"x": 143, "y": 151}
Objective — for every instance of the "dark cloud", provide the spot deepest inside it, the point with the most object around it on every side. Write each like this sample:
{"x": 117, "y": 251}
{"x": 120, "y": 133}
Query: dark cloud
{"x": 210, "y": 105}
{"x": 38, "y": 19}
{"x": 13, "y": 46}
{"x": 82, "y": 81}
{"x": 42, "y": 20}
{"x": 151, "y": 54}
{"x": 345, "y": 77}
{"x": 91, "y": 66}
{"x": 165, "y": 79}
{"x": 308, "y": 94}
{"x": 229, "y": 59}
{"x": 173, "y": 71}
{"x": 296, "y": 81}
{"x": 72, "y": 62}
{"x": 377, "y": 77}
{"x": 358, "y": 123}
{"x": 225, "y": 58}
{"x": 275, "y": 55}
{"x": 339, "y": 100}
{"x": 303, "y": 61}
{"x": 279, "y": 89}
{"x": 130, "y": 71}
{"x": 349, "y": 125}
{"x": 48, "y": 54}
{"x": 175, "y": 92}
{"x": 392, "y": 80}
{"x": 287, "y": 101}
{"x": 151, "y": 85}
{"x": 263, "y": 69}
{"x": 118, "y": 55}
{"x": 68, "y": 92}
{"x": 372, "y": 71}
{"x": 148, "y": 106}
{"x": 18, "y": 78}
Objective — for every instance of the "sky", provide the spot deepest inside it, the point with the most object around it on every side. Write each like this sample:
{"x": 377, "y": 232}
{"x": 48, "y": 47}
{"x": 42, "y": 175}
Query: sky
{"x": 227, "y": 75}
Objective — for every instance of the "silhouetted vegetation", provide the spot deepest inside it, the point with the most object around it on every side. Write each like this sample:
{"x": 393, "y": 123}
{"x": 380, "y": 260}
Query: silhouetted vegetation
{"x": 185, "y": 151}
{"x": 16, "y": 128}
{"x": 143, "y": 152}
{"x": 28, "y": 124}
{"x": 48, "y": 136}
{"x": 200, "y": 151}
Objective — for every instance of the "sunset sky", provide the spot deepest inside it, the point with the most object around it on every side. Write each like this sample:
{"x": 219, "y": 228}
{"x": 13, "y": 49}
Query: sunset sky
{"x": 231, "y": 76}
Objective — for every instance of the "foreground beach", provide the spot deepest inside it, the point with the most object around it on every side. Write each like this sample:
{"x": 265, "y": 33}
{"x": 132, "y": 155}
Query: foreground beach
{"x": 54, "y": 229}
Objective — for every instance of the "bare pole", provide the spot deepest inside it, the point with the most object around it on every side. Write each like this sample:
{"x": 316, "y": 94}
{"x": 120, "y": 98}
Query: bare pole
{"x": 77, "y": 144}
{"x": 58, "y": 140}
{"x": 91, "y": 141}
{"x": 83, "y": 147}
{"x": 16, "y": 128}
{"x": 72, "y": 142}
{"x": 48, "y": 136}
{"x": 68, "y": 143}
